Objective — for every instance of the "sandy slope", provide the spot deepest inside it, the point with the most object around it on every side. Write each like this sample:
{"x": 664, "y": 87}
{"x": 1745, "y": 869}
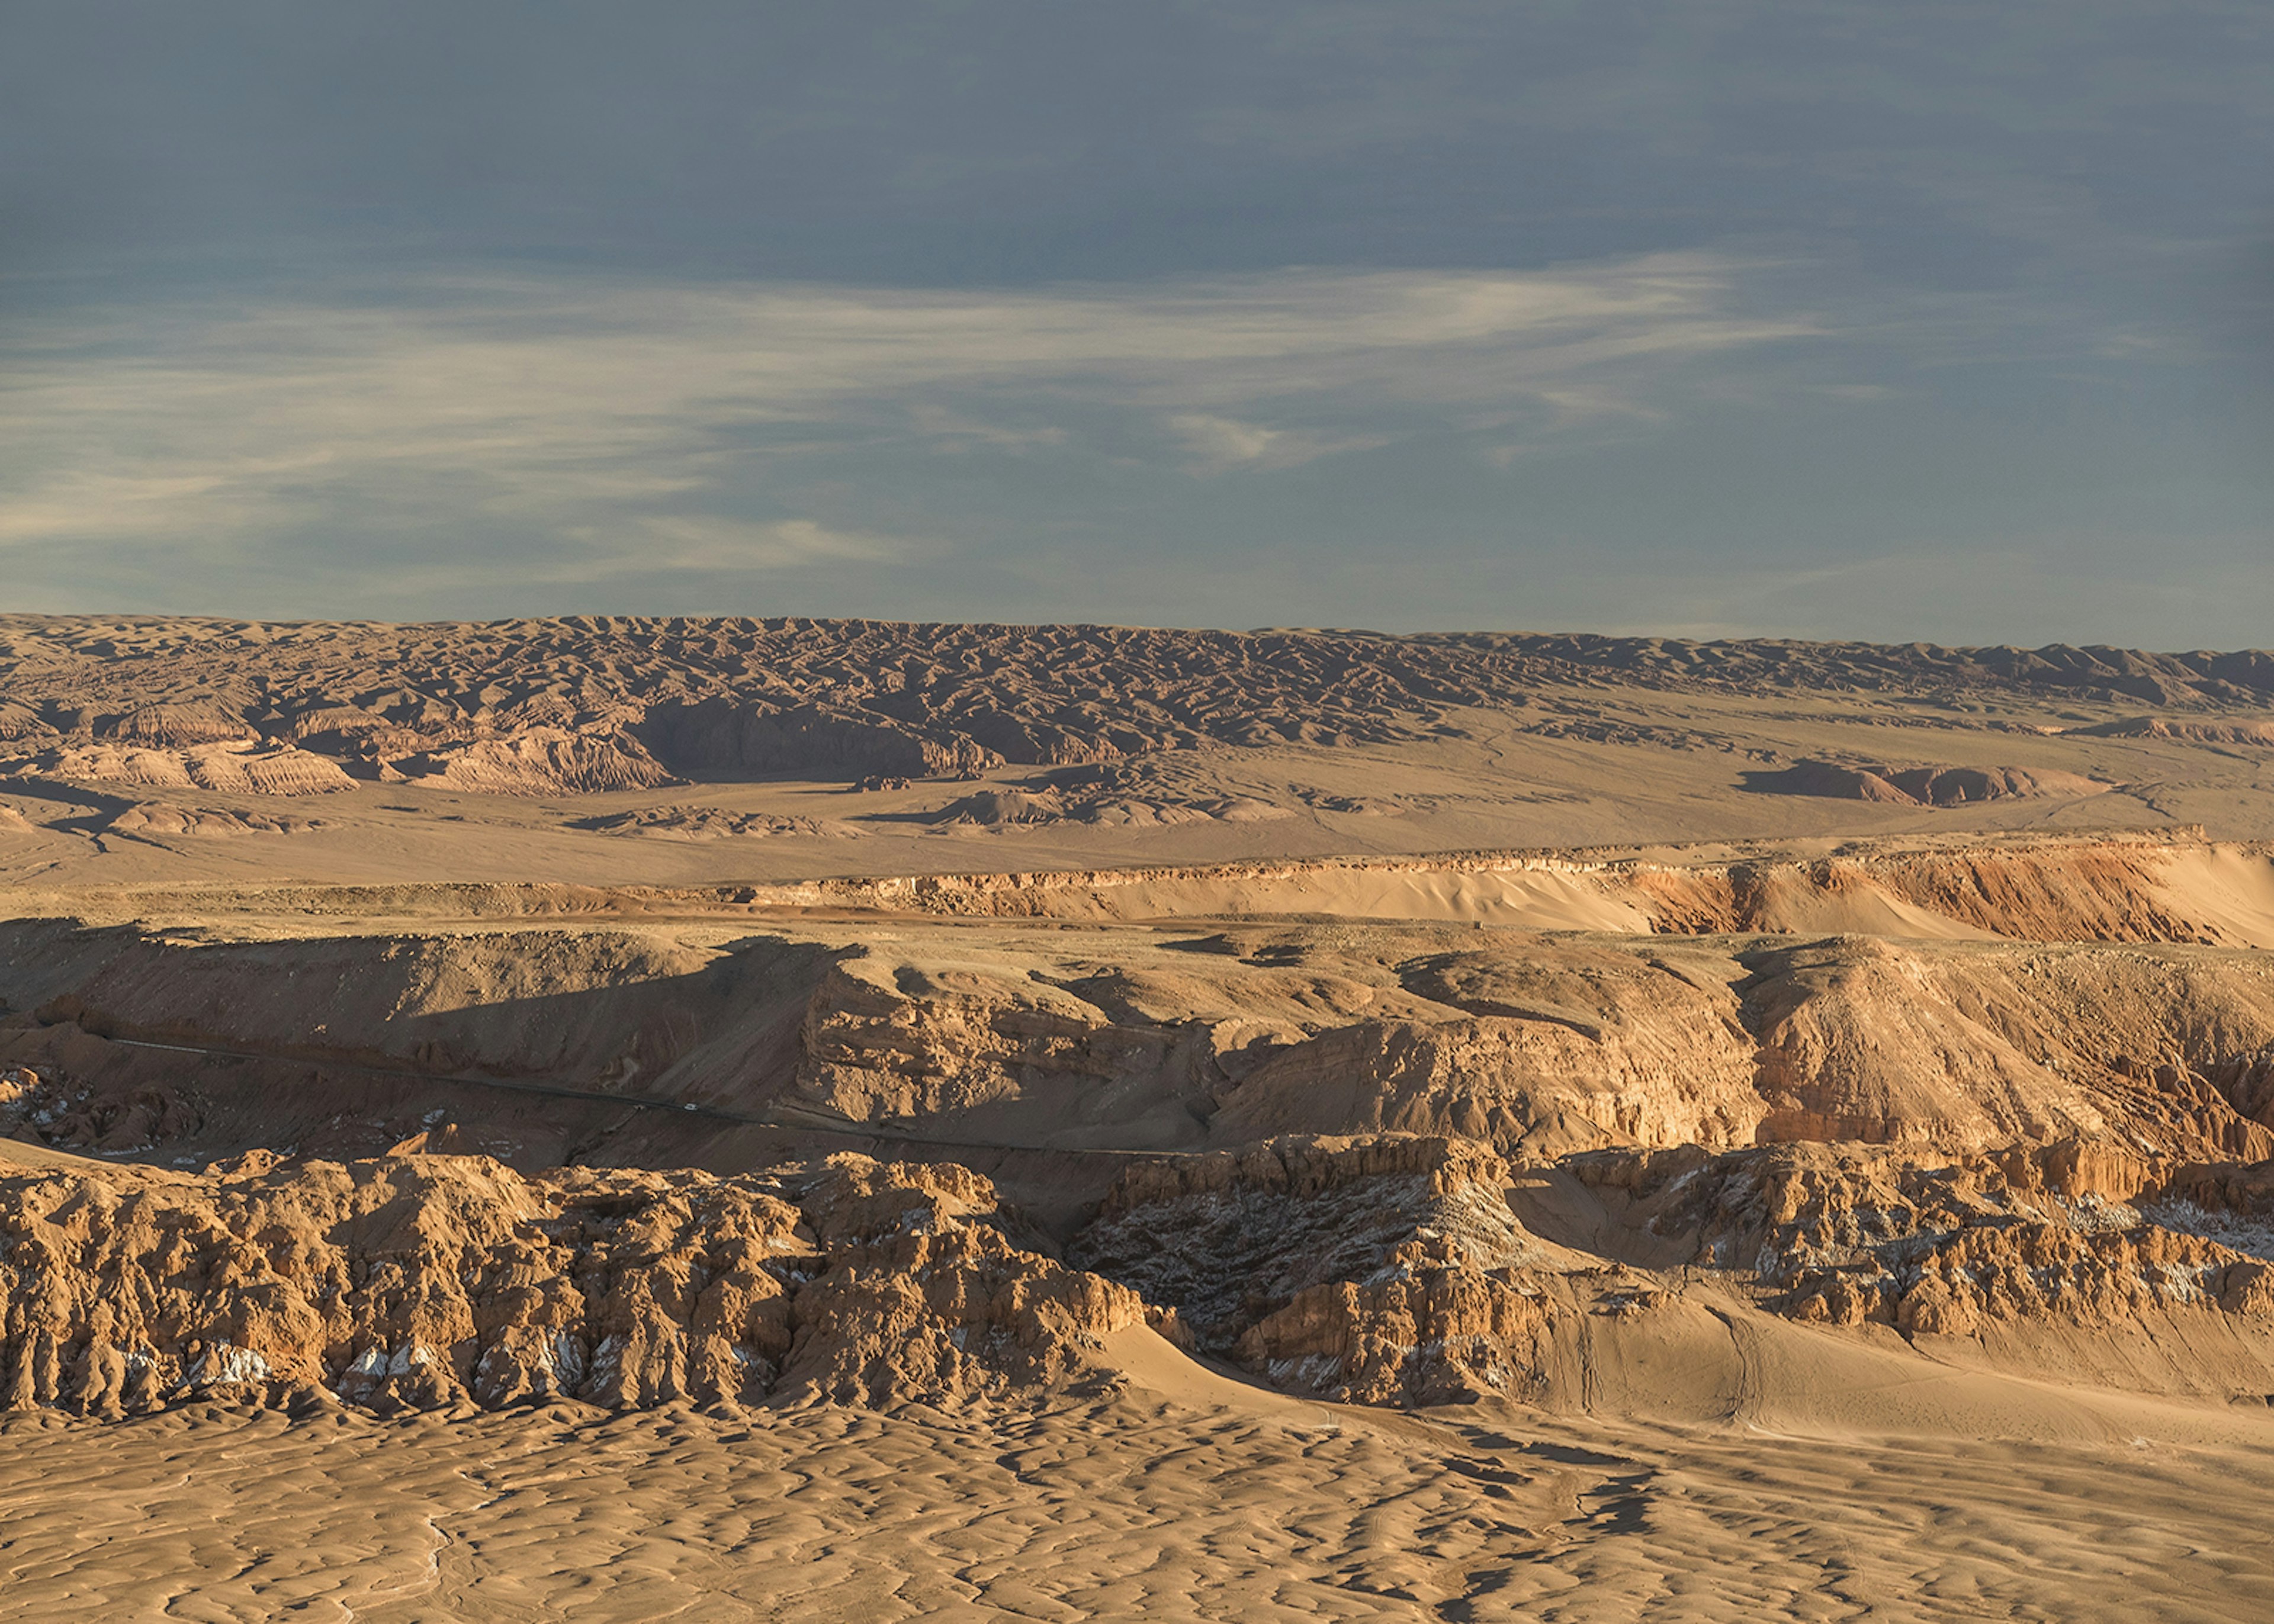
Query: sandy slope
{"x": 1181, "y": 1498}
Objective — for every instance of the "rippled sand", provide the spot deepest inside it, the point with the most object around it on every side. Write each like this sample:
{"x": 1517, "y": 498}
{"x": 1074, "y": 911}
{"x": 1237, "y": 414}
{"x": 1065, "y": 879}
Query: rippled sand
{"x": 1211, "y": 1501}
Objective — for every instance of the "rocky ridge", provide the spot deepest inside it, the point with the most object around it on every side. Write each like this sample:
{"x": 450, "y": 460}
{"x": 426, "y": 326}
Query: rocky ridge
{"x": 1421, "y": 1271}
{"x": 1139, "y": 1037}
{"x": 596, "y": 704}
{"x": 2110, "y": 887}
{"x": 1389, "y": 1269}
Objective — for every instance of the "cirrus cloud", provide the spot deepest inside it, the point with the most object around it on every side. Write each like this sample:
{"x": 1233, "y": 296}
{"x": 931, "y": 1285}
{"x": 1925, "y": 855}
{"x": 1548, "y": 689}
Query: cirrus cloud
{"x": 586, "y": 408}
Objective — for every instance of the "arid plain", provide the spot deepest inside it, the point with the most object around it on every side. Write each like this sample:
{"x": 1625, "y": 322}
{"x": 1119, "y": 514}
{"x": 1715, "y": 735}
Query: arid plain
{"x": 708, "y": 1119}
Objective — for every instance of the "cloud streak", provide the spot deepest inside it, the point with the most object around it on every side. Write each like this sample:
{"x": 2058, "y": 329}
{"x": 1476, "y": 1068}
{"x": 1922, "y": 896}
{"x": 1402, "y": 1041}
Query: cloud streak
{"x": 1219, "y": 445}
{"x": 652, "y": 411}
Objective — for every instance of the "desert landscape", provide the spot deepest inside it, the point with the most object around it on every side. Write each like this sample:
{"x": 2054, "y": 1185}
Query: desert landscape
{"x": 802, "y": 1119}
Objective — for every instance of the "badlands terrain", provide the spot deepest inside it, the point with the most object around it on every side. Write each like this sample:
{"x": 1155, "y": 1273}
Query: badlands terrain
{"x": 706, "y": 1119}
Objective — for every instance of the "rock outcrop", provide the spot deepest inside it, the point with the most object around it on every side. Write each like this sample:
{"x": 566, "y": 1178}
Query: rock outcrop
{"x": 1414, "y": 1271}
{"x": 887, "y": 1041}
{"x": 2076, "y": 1233}
{"x": 1388, "y": 1270}
{"x": 236, "y": 768}
{"x": 539, "y": 761}
{"x": 162, "y": 819}
{"x": 1137, "y": 1040}
{"x": 1381, "y": 1271}
{"x": 1964, "y": 1049}
{"x": 433, "y": 1282}
{"x": 1930, "y": 785}
{"x": 683, "y": 823}
{"x": 2109, "y": 889}
{"x": 2192, "y": 731}
{"x": 2096, "y": 888}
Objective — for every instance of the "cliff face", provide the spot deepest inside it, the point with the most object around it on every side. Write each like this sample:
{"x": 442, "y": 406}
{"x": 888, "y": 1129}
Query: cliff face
{"x": 1541, "y": 1046}
{"x": 2092, "y": 888}
{"x": 1377, "y": 1271}
{"x": 1421, "y": 1271}
{"x": 2078, "y": 1232}
{"x": 434, "y": 1281}
{"x": 1386, "y": 1270}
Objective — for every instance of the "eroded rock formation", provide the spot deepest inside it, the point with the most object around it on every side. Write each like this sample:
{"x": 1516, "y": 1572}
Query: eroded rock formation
{"x": 599, "y": 703}
{"x": 435, "y": 1280}
{"x": 1421, "y": 1271}
{"x": 1384, "y": 1271}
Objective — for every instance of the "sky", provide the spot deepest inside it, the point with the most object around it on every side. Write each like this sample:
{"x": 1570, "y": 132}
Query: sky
{"x": 1861, "y": 319}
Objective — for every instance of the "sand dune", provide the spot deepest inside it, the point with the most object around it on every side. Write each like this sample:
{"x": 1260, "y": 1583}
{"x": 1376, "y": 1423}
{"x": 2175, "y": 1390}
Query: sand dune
{"x": 1161, "y": 1504}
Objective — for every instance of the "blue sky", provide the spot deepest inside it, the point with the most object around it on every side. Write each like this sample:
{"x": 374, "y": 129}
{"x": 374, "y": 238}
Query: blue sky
{"x": 1894, "y": 321}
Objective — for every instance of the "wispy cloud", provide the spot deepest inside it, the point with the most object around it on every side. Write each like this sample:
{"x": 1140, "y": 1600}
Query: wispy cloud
{"x": 591, "y": 410}
{"x": 1219, "y": 445}
{"x": 953, "y": 431}
{"x": 702, "y": 542}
